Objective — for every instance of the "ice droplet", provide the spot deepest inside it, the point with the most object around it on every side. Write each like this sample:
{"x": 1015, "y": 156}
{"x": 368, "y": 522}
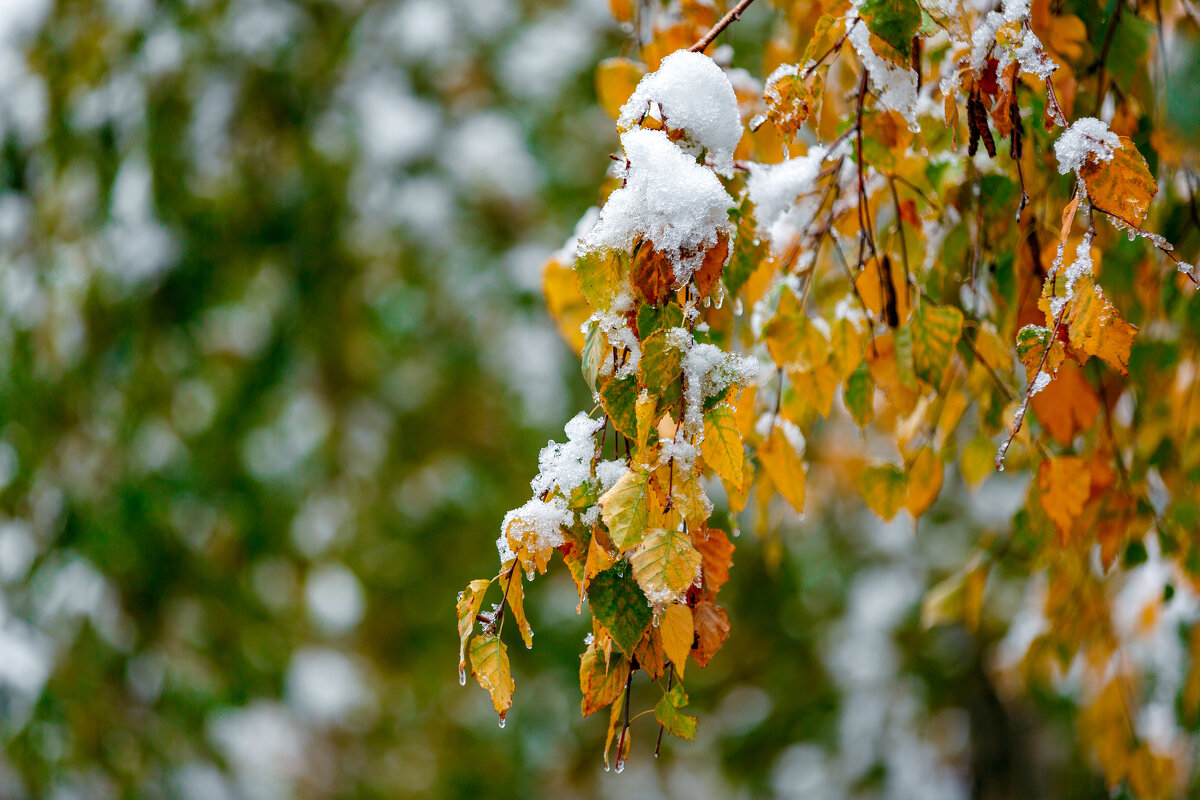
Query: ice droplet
{"x": 502, "y": 722}
{"x": 620, "y": 766}
{"x": 462, "y": 677}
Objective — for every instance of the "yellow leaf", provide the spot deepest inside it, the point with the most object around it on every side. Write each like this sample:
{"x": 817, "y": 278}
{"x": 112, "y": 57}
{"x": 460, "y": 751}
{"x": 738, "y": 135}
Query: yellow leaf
{"x": 845, "y": 348}
{"x": 616, "y": 78}
{"x": 565, "y": 302}
{"x": 614, "y": 719}
{"x": 958, "y": 598}
{"x": 791, "y": 337}
{"x": 977, "y": 461}
{"x": 625, "y": 509}
{"x": 884, "y": 487}
{"x": 924, "y": 481}
{"x": 489, "y": 662}
{"x": 722, "y": 445}
{"x": 644, "y": 411}
{"x": 515, "y": 597}
{"x": 665, "y": 565}
{"x": 781, "y": 461}
{"x": 678, "y": 633}
{"x": 1066, "y": 483}
{"x": 1121, "y": 186}
{"x": 688, "y": 496}
{"x": 470, "y": 600}
{"x": 601, "y": 678}
{"x": 814, "y": 388}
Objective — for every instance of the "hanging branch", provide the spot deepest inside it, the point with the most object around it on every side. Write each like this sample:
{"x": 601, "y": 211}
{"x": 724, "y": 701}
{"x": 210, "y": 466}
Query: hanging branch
{"x": 734, "y": 14}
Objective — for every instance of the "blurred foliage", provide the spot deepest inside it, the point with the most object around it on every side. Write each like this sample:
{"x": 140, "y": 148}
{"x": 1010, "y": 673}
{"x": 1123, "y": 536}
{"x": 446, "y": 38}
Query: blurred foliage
{"x": 275, "y": 364}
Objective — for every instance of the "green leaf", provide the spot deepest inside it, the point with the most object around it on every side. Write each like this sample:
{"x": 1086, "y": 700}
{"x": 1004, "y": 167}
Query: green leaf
{"x": 661, "y": 365}
{"x": 617, "y": 603}
{"x": 625, "y": 509}
{"x": 935, "y": 334}
{"x": 675, "y": 722}
{"x": 602, "y": 276}
{"x": 651, "y": 319}
{"x": 884, "y": 487}
{"x": 859, "y": 395}
{"x": 748, "y": 251}
{"x": 584, "y": 495}
{"x": 620, "y": 404}
{"x": 904, "y": 357}
{"x": 895, "y": 22}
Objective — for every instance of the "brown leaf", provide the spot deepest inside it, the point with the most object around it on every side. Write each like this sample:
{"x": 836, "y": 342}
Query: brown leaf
{"x": 652, "y": 274}
{"x": 716, "y": 557}
{"x": 712, "y": 629}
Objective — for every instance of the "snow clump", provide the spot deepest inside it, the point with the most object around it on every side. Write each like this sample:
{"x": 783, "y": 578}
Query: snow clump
{"x": 691, "y": 94}
{"x": 668, "y": 199}
{"x": 563, "y": 465}
{"x": 1087, "y": 137}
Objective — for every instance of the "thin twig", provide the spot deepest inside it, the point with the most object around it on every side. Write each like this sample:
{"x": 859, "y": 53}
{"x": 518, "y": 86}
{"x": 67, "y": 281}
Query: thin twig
{"x": 734, "y": 14}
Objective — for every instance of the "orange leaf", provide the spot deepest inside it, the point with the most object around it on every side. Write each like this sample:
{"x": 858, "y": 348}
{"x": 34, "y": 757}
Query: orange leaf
{"x": 601, "y": 679}
{"x": 716, "y": 557}
{"x": 1121, "y": 186}
{"x": 1066, "y": 483}
{"x": 924, "y": 481}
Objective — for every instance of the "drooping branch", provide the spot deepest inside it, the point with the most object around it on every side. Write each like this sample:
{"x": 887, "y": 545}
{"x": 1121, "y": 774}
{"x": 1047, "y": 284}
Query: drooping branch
{"x": 734, "y": 14}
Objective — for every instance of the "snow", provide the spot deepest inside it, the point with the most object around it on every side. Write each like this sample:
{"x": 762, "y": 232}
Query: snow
{"x": 668, "y": 199}
{"x": 692, "y": 95}
{"x": 896, "y": 86}
{"x": 708, "y": 370}
{"x": 568, "y": 465}
{"x": 562, "y": 468}
{"x": 609, "y": 472}
{"x": 783, "y": 194}
{"x": 1086, "y": 138}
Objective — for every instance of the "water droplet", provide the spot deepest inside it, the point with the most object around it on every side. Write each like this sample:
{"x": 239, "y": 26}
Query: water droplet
{"x": 656, "y": 754}
{"x": 502, "y": 722}
{"x": 462, "y": 677}
{"x": 607, "y": 768}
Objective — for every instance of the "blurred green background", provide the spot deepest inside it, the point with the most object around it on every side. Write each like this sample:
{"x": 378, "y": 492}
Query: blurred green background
{"x": 276, "y": 363}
